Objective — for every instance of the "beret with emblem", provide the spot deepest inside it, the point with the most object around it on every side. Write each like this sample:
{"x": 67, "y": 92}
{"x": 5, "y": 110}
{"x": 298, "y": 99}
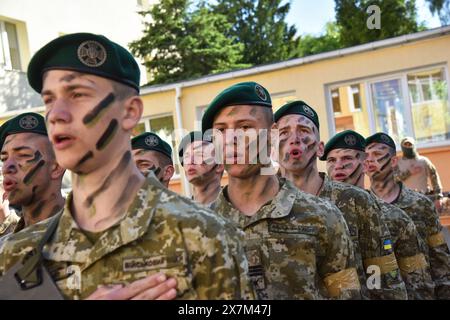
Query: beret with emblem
{"x": 151, "y": 141}
{"x": 297, "y": 107}
{"x": 244, "y": 93}
{"x": 381, "y": 137}
{"x": 85, "y": 53}
{"x": 188, "y": 139}
{"x": 347, "y": 139}
{"x": 28, "y": 122}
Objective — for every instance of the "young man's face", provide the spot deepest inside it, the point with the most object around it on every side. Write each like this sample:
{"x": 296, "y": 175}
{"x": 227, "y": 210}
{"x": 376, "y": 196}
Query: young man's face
{"x": 26, "y": 167}
{"x": 149, "y": 160}
{"x": 198, "y": 161}
{"x": 299, "y": 142}
{"x": 380, "y": 161}
{"x": 83, "y": 118}
{"x": 241, "y": 133}
{"x": 345, "y": 165}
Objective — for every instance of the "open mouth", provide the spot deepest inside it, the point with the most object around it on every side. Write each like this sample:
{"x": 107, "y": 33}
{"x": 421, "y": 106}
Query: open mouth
{"x": 9, "y": 185}
{"x": 295, "y": 153}
{"x": 371, "y": 168}
{"x": 62, "y": 141}
{"x": 340, "y": 176}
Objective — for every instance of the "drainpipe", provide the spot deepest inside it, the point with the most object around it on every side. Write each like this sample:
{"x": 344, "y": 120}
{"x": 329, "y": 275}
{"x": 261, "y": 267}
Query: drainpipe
{"x": 184, "y": 181}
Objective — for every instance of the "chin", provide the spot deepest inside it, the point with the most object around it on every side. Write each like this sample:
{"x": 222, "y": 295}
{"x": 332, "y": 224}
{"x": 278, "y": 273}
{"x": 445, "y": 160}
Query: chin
{"x": 242, "y": 171}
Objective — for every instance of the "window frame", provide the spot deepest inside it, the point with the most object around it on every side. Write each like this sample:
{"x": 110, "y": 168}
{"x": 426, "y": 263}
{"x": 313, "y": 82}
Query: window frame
{"x": 6, "y": 53}
{"x": 402, "y": 75}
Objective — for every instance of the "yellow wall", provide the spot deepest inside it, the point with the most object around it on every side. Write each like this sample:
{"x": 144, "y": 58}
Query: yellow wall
{"x": 310, "y": 81}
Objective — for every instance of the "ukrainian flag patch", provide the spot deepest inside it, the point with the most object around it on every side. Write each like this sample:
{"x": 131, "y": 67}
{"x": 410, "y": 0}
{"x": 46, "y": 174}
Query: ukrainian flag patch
{"x": 387, "y": 244}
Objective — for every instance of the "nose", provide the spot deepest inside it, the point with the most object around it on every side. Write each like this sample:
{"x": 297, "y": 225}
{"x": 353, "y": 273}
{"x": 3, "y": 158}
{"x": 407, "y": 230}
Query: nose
{"x": 295, "y": 139}
{"x": 59, "y": 113}
{"x": 9, "y": 167}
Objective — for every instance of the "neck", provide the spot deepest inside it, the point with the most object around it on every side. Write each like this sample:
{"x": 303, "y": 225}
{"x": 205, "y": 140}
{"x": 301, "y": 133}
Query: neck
{"x": 307, "y": 180}
{"x": 102, "y": 197}
{"x": 48, "y": 205}
{"x": 387, "y": 190}
{"x": 207, "y": 192}
{"x": 250, "y": 194}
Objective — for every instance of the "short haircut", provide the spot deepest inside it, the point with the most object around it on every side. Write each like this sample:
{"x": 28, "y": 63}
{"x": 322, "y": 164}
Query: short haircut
{"x": 163, "y": 159}
{"x": 123, "y": 91}
{"x": 268, "y": 115}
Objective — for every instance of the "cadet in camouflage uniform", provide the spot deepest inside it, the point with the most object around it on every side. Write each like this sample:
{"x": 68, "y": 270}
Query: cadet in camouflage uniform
{"x": 117, "y": 227}
{"x": 415, "y": 170}
{"x": 344, "y": 152}
{"x": 380, "y": 165}
{"x": 32, "y": 178}
{"x": 196, "y": 154}
{"x": 299, "y": 146}
{"x": 297, "y": 245}
{"x": 150, "y": 152}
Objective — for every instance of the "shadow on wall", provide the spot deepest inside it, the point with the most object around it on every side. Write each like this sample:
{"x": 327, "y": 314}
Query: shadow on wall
{"x": 15, "y": 93}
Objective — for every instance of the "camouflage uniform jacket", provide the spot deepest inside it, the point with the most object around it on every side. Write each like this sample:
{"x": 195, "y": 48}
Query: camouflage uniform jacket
{"x": 371, "y": 238}
{"x": 297, "y": 245}
{"x": 423, "y": 213}
{"x": 161, "y": 232}
{"x": 410, "y": 251}
{"x": 9, "y": 224}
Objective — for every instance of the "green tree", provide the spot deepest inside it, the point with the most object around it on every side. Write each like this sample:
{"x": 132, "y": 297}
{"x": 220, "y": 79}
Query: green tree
{"x": 183, "y": 41}
{"x": 398, "y": 17}
{"x": 442, "y": 8}
{"x": 329, "y": 41}
{"x": 261, "y": 27}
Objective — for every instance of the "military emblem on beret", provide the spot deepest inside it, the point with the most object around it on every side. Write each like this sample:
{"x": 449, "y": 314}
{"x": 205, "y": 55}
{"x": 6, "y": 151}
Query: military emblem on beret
{"x": 385, "y": 138}
{"x": 260, "y": 92}
{"x": 91, "y": 53}
{"x": 28, "y": 122}
{"x": 308, "y": 111}
{"x": 350, "y": 140}
{"x": 151, "y": 141}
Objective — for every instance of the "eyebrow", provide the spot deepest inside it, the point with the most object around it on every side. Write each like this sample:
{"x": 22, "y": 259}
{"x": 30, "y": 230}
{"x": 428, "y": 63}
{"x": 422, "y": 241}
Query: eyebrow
{"x": 21, "y": 148}
{"x": 71, "y": 88}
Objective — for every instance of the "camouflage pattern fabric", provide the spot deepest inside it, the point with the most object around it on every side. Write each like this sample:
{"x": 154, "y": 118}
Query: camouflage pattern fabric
{"x": 423, "y": 213}
{"x": 161, "y": 232}
{"x": 371, "y": 238}
{"x": 298, "y": 246}
{"x": 9, "y": 224}
{"x": 410, "y": 251}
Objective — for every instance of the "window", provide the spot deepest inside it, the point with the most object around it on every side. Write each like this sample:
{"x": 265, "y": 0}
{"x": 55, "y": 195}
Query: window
{"x": 349, "y": 108}
{"x": 356, "y": 98}
{"x": 411, "y": 103}
{"x": 428, "y": 94}
{"x": 9, "y": 47}
{"x": 336, "y": 101}
{"x": 389, "y": 108}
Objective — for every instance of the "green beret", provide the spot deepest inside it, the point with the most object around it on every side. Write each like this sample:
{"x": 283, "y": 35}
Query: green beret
{"x": 188, "y": 139}
{"x": 244, "y": 93}
{"x": 347, "y": 139}
{"x": 85, "y": 53}
{"x": 297, "y": 107}
{"x": 25, "y": 122}
{"x": 151, "y": 141}
{"x": 381, "y": 137}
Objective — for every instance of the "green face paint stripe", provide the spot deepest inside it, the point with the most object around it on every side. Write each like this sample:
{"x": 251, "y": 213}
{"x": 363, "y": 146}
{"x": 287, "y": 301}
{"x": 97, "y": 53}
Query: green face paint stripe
{"x": 33, "y": 195}
{"x": 108, "y": 181}
{"x": 86, "y": 157}
{"x": 353, "y": 174}
{"x": 37, "y": 156}
{"x": 93, "y": 116}
{"x": 37, "y": 210}
{"x": 127, "y": 192}
{"x": 385, "y": 165}
{"x": 107, "y": 136}
{"x": 33, "y": 171}
{"x": 383, "y": 157}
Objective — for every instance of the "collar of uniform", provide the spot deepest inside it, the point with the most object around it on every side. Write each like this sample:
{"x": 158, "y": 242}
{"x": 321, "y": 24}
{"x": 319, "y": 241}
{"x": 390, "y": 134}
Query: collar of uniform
{"x": 327, "y": 186}
{"x": 70, "y": 243}
{"x": 279, "y": 207}
{"x": 404, "y": 198}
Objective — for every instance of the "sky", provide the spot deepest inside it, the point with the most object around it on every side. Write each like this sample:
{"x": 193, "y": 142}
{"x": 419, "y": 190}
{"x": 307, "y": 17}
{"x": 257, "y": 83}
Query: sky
{"x": 311, "y": 16}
